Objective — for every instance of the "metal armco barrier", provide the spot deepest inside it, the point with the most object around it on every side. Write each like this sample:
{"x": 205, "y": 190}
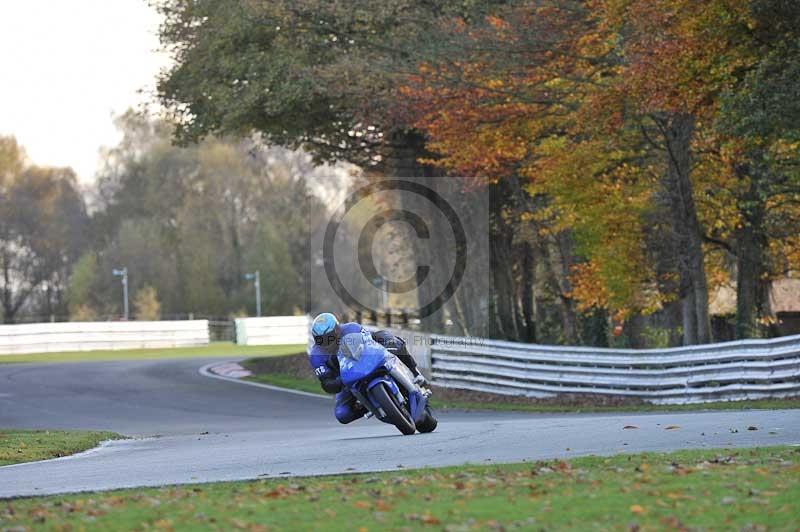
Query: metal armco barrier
{"x": 276, "y": 330}
{"x": 750, "y": 369}
{"x": 94, "y": 336}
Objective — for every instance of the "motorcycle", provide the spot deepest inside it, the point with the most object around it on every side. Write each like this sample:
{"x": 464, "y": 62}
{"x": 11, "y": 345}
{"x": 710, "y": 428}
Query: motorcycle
{"x": 384, "y": 385}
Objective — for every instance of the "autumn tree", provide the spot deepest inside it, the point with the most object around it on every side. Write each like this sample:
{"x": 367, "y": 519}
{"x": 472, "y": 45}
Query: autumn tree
{"x": 608, "y": 107}
{"x": 322, "y": 75}
{"x": 190, "y": 221}
{"x": 510, "y": 109}
{"x": 146, "y": 306}
{"x": 43, "y": 226}
{"x": 633, "y": 149}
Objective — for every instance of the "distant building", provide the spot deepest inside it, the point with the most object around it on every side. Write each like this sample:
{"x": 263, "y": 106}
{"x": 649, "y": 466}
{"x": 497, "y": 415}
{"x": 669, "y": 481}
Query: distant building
{"x": 784, "y": 302}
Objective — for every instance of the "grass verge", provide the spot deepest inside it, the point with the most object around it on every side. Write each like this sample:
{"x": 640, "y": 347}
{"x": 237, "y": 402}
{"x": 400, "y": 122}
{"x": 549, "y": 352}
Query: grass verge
{"x": 293, "y": 372}
{"x": 288, "y": 381}
{"x": 215, "y": 349}
{"x": 553, "y": 408}
{"x": 748, "y": 489}
{"x": 18, "y": 446}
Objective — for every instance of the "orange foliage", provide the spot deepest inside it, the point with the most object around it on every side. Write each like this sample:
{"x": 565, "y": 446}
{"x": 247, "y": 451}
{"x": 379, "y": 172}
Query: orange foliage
{"x": 560, "y": 94}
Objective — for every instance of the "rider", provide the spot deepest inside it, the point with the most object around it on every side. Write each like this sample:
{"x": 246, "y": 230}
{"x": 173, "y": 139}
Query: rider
{"x": 326, "y": 331}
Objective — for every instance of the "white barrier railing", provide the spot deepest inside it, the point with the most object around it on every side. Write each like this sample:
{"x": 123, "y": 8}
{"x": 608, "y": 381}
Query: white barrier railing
{"x": 750, "y": 369}
{"x": 276, "y": 330}
{"x": 93, "y": 336}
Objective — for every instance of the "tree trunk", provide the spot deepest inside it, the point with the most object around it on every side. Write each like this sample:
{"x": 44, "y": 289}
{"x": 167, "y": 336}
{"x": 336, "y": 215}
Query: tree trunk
{"x": 561, "y": 259}
{"x": 527, "y": 293}
{"x": 501, "y": 265}
{"x": 747, "y": 274}
{"x": 689, "y": 315}
{"x": 405, "y": 147}
{"x": 752, "y": 287}
{"x": 7, "y": 294}
{"x": 678, "y": 130}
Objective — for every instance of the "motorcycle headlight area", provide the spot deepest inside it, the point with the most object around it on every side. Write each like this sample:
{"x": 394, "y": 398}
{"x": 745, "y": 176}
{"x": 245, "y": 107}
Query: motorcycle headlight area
{"x": 353, "y": 345}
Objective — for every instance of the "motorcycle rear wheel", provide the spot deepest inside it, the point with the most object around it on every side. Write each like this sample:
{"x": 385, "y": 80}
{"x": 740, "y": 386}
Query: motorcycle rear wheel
{"x": 396, "y": 414}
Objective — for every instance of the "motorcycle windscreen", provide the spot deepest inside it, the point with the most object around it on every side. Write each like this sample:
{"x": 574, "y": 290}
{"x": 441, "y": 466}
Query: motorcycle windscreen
{"x": 359, "y": 357}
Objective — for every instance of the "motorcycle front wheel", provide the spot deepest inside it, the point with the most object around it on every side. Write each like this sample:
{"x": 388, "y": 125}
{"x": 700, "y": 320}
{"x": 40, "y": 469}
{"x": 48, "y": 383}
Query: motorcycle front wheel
{"x": 396, "y": 414}
{"x": 429, "y": 423}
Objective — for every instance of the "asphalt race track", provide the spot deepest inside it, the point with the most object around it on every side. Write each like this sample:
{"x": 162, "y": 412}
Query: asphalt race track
{"x": 189, "y": 428}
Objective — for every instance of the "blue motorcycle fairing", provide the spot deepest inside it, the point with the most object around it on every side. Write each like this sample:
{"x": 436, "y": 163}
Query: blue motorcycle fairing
{"x": 417, "y": 404}
{"x": 360, "y": 357}
{"x": 417, "y": 401}
{"x": 383, "y": 379}
{"x": 386, "y": 380}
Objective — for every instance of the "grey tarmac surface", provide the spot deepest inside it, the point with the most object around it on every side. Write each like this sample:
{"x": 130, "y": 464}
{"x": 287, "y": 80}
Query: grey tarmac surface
{"x": 188, "y": 428}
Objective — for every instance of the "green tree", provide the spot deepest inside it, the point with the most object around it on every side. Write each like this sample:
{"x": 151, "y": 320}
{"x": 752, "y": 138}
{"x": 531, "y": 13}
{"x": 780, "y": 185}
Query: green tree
{"x": 80, "y": 292}
{"x": 759, "y": 124}
{"x": 317, "y": 74}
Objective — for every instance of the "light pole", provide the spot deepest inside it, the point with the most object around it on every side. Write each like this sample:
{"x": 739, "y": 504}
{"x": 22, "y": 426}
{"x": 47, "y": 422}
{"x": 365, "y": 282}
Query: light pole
{"x": 123, "y": 272}
{"x": 256, "y": 278}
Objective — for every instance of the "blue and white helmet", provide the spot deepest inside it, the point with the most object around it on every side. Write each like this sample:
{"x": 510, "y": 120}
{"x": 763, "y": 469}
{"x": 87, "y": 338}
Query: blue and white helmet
{"x": 324, "y": 328}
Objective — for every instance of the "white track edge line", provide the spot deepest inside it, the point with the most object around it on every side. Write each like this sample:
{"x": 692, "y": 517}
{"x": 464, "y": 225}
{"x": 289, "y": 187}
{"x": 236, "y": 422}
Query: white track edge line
{"x": 206, "y": 372}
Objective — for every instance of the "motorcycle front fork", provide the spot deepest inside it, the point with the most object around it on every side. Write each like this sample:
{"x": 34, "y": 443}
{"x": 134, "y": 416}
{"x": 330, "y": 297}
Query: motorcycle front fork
{"x": 404, "y": 377}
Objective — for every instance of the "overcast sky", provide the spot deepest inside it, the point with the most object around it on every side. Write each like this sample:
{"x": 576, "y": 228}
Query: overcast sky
{"x": 66, "y": 66}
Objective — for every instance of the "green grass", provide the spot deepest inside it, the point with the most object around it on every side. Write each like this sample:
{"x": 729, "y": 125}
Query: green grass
{"x": 288, "y": 381}
{"x": 18, "y": 446}
{"x": 760, "y": 404}
{"x": 216, "y": 349}
{"x": 712, "y": 490}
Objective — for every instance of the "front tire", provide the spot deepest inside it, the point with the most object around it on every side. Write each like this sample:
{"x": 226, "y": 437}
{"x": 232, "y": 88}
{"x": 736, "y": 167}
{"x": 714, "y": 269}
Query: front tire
{"x": 396, "y": 414}
{"x": 429, "y": 423}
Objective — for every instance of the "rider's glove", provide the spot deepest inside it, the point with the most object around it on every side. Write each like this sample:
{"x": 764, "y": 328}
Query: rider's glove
{"x": 331, "y": 384}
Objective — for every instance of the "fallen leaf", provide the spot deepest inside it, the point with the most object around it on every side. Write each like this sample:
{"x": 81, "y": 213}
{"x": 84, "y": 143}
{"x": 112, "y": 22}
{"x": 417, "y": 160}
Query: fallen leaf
{"x": 383, "y": 506}
{"x": 673, "y": 522}
{"x": 430, "y": 520}
{"x": 163, "y": 524}
{"x": 638, "y": 510}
